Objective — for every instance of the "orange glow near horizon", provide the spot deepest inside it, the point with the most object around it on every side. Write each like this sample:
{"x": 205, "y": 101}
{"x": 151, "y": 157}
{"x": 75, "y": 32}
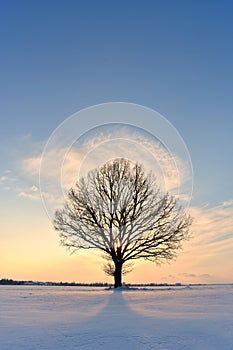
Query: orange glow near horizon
{"x": 30, "y": 250}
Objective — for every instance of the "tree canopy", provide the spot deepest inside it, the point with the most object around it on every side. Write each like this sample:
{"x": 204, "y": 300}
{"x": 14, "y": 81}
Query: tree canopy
{"x": 119, "y": 209}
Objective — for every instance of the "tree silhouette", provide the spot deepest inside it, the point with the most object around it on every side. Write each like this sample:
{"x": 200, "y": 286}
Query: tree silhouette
{"x": 120, "y": 210}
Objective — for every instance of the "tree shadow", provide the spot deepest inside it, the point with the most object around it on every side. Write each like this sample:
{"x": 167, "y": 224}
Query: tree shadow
{"x": 116, "y": 326}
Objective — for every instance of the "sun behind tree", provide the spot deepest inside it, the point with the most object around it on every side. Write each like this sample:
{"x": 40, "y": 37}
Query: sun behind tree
{"x": 120, "y": 210}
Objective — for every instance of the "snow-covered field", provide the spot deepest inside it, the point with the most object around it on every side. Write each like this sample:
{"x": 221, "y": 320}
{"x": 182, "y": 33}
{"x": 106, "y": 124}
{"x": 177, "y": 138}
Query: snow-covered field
{"x": 33, "y": 317}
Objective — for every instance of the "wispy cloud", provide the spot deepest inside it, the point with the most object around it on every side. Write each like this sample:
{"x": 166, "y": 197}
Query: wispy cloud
{"x": 28, "y": 195}
{"x": 212, "y": 225}
{"x": 7, "y": 179}
{"x": 7, "y": 176}
{"x": 194, "y": 275}
{"x": 211, "y": 247}
{"x": 31, "y": 193}
{"x": 228, "y": 203}
{"x": 62, "y": 166}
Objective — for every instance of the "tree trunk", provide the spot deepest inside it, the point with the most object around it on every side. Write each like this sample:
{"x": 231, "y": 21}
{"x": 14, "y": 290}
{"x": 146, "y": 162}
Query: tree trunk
{"x": 118, "y": 274}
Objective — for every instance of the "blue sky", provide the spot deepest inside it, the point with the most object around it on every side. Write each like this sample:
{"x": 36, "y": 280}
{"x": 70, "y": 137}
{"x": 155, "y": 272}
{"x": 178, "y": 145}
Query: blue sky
{"x": 58, "y": 57}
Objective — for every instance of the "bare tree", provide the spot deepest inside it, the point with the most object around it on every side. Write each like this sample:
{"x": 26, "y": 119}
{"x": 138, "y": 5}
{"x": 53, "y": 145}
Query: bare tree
{"x": 120, "y": 210}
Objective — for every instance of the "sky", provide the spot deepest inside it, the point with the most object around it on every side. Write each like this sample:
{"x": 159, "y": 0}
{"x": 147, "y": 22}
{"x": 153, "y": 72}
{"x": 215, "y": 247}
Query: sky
{"x": 62, "y": 57}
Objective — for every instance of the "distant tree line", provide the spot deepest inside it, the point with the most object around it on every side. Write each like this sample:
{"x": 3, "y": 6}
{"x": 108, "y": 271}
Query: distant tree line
{"x": 6, "y": 281}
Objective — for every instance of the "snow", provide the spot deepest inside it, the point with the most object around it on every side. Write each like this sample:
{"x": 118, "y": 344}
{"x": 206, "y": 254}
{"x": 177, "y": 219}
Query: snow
{"x": 57, "y": 318}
